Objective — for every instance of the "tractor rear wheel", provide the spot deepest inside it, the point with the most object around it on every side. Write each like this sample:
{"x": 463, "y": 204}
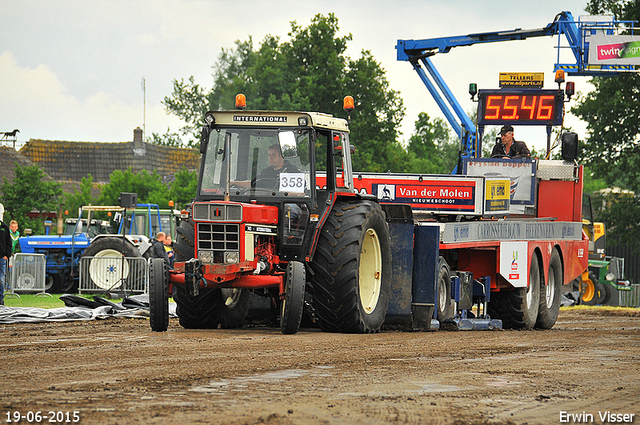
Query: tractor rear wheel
{"x": 352, "y": 269}
{"x": 518, "y": 309}
{"x": 199, "y": 312}
{"x": 107, "y": 269}
{"x": 226, "y": 307}
{"x": 158, "y": 295}
{"x": 550, "y": 294}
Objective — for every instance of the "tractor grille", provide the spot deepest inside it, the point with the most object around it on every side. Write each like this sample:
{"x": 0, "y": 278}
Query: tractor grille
{"x": 216, "y": 239}
{"x": 217, "y": 212}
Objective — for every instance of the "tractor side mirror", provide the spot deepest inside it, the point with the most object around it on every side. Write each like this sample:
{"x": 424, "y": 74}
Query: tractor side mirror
{"x": 288, "y": 145}
{"x": 204, "y": 138}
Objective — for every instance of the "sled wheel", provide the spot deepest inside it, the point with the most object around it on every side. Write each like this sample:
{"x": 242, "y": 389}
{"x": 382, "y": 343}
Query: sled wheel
{"x": 445, "y": 303}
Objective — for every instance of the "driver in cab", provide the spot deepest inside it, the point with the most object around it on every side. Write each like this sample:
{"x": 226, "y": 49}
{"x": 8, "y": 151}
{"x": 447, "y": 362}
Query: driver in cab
{"x": 508, "y": 147}
{"x": 269, "y": 177}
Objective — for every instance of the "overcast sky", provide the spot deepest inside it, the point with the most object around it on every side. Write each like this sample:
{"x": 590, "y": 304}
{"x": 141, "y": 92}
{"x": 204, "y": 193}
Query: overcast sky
{"x": 72, "y": 69}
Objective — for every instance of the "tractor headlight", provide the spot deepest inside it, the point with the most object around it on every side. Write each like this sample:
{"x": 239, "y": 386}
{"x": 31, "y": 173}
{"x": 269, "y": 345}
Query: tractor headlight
{"x": 205, "y": 256}
{"x": 231, "y": 257}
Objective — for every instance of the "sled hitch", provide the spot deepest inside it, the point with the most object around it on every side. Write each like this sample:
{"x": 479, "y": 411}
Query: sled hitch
{"x": 468, "y": 292}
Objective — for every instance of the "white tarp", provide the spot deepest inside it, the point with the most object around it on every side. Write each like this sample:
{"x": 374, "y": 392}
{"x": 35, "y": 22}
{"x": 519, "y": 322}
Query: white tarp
{"x": 137, "y": 307}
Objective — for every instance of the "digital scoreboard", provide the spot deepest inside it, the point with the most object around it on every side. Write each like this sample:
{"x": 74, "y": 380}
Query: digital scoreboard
{"x": 520, "y": 106}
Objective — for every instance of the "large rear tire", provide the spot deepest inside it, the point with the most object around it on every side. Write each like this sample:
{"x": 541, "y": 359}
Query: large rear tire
{"x": 212, "y": 307}
{"x": 158, "y": 295}
{"x": 352, "y": 269}
{"x": 199, "y": 312}
{"x": 550, "y": 294}
{"x": 518, "y": 309}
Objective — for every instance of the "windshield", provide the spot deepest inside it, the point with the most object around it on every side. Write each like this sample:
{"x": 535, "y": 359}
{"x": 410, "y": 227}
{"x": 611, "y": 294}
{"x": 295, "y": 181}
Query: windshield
{"x": 263, "y": 162}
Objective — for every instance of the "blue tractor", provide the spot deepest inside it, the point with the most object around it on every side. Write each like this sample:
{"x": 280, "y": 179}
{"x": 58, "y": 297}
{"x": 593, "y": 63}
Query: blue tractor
{"x": 94, "y": 238}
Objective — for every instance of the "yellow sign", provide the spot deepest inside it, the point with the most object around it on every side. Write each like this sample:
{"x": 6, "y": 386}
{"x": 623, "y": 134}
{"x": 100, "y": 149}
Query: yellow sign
{"x": 497, "y": 194}
{"x": 522, "y": 79}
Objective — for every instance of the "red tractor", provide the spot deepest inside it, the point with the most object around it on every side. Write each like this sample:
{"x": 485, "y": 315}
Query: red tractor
{"x": 277, "y": 215}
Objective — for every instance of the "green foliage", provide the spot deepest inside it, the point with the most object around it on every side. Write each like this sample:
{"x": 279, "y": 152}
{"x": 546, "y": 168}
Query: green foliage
{"x": 73, "y": 201}
{"x": 184, "y": 188}
{"x": 169, "y": 139}
{"x": 620, "y": 217}
{"x": 592, "y": 184}
{"x": 189, "y": 102}
{"x": 431, "y": 149}
{"x": 149, "y": 187}
{"x": 30, "y": 190}
{"x": 611, "y": 112}
{"x": 308, "y": 72}
{"x": 612, "y": 150}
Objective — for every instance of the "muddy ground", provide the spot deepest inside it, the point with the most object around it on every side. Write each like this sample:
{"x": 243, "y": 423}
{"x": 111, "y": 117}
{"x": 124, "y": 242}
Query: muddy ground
{"x": 117, "y": 371}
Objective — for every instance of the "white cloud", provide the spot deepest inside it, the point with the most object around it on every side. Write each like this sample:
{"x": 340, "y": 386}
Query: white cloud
{"x": 38, "y": 104}
{"x": 72, "y": 70}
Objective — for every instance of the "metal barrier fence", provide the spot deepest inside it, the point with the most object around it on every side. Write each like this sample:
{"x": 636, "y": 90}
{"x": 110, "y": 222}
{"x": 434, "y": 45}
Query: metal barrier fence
{"x": 119, "y": 274}
{"x": 27, "y": 275}
{"x": 630, "y": 298}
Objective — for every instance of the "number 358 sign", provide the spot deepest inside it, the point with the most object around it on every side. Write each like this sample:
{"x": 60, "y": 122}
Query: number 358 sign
{"x": 292, "y": 182}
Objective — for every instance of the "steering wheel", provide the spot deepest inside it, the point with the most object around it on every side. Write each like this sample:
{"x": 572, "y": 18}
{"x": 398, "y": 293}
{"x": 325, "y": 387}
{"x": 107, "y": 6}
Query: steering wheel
{"x": 267, "y": 183}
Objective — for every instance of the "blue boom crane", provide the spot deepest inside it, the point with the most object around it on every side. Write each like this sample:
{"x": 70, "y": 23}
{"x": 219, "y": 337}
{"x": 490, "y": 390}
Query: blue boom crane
{"x": 578, "y": 34}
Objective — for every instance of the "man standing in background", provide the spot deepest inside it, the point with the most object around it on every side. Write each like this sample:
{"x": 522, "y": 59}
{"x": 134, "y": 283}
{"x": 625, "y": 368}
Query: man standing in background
{"x": 5, "y": 252}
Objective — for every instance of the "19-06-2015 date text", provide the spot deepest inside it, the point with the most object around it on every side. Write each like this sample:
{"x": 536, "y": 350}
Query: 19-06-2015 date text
{"x": 50, "y": 416}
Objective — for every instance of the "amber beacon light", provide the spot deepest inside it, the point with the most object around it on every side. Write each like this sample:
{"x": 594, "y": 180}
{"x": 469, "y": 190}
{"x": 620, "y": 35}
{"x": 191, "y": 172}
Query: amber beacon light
{"x": 241, "y": 101}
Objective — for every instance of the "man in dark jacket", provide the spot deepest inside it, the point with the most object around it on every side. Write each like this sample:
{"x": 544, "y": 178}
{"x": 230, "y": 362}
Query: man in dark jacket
{"x": 5, "y": 253}
{"x": 508, "y": 147}
{"x": 157, "y": 248}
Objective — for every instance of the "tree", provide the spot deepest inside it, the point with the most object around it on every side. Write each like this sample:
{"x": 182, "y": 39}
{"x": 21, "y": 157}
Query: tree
{"x": 612, "y": 150}
{"x": 308, "y": 72}
{"x": 184, "y": 188}
{"x": 611, "y": 112}
{"x": 30, "y": 190}
{"x": 73, "y": 201}
{"x": 149, "y": 187}
{"x": 431, "y": 149}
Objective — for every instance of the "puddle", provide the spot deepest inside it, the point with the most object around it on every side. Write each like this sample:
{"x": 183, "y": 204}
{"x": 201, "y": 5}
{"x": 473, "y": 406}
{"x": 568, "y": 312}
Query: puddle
{"x": 224, "y": 385}
{"x": 419, "y": 388}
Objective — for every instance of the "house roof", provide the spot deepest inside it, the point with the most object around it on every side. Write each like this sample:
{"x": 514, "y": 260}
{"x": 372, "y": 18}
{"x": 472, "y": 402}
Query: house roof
{"x": 9, "y": 158}
{"x": 71, "y": 161}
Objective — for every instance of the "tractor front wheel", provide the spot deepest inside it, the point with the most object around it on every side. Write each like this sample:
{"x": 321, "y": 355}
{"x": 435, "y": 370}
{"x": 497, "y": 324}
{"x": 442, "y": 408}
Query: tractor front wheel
{"x": 293, "y": 303}
{"x": 158, "y": 295}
